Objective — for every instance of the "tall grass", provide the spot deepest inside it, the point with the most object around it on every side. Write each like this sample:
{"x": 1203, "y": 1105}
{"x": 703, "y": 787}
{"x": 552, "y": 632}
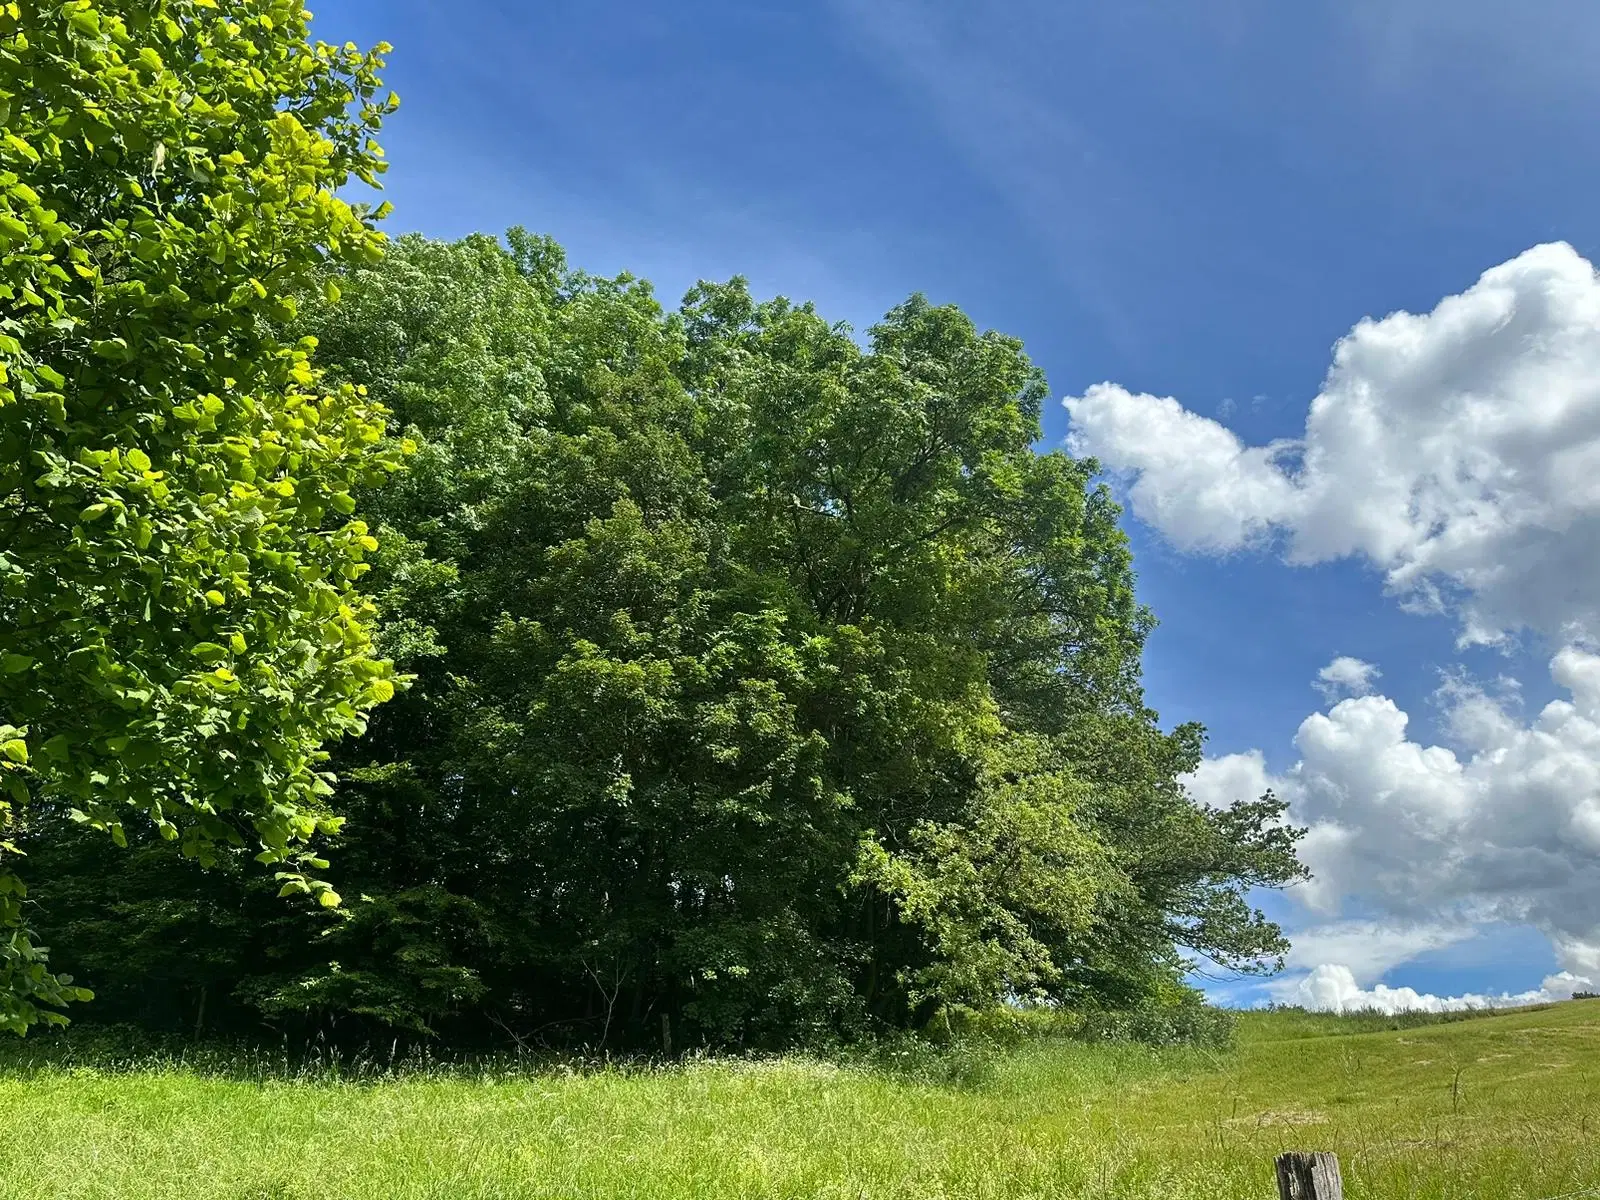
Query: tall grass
{"x": 1501, "y": 1107}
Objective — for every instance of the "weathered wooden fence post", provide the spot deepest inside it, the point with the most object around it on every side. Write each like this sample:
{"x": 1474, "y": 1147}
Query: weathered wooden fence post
{"x": 1309, "y": 1177}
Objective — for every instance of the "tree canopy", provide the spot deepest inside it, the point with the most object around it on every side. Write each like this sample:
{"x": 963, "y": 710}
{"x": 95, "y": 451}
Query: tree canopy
{"x": 180, "y": 632}
{"x": 769, "y": 685}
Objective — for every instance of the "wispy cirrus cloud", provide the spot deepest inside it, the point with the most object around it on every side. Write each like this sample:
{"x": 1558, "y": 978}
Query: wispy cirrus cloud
{"x": 1369, "y": 949}
{"x": 978, "y": 74}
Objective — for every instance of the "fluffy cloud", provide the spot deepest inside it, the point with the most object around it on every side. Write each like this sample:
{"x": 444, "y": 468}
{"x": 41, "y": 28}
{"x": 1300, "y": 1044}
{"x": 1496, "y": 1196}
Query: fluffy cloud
{"x": 1506, "y": 830}
{"x": 1218, "y": 782}
{"x": 1333, "y": 988}
{"x": 1369, "y": 949}
{"x": 1191, "y": 477}
{"x": 1458, "y": 450}
{"x": 1346, "y": 676}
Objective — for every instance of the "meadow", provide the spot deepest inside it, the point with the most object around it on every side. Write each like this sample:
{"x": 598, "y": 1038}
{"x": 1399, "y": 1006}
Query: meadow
{"x": 1501, "y": 1107}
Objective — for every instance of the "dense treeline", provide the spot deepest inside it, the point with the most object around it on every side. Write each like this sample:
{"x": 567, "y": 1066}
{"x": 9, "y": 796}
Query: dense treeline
{"x": 760, "y": 684}
{"x": 765, "y": 686}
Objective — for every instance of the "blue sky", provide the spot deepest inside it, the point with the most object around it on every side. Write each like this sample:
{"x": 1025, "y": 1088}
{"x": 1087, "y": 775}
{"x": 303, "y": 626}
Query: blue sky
{"x": 1194, "y": 201}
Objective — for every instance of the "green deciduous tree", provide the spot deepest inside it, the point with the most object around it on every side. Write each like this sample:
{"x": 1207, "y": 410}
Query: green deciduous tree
{"x": 768, "y": 683}
{"x": 769, "y": 686}
{"x": 179, "y": 628}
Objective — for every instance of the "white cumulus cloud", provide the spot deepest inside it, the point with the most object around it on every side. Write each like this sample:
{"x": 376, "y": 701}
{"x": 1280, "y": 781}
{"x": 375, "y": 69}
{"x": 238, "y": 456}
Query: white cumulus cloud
{"x": 1346, "y": 676}
{"x": 1190, "y": 477}
{"x": 1218, "y": 782}
{"x": 1434, "y": 840}
{"x": 1457, "y": 450}
{"x": 1332, "y": 987}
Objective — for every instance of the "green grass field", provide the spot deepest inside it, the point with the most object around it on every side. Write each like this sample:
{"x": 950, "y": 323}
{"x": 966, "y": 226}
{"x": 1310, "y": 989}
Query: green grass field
{"x": 1503, "y": 1106}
